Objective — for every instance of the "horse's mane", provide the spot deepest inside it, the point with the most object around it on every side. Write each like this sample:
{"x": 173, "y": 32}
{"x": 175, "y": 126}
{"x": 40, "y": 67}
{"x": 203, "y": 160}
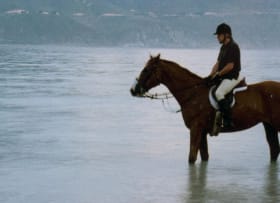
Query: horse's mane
{"x": 183, "y": 71}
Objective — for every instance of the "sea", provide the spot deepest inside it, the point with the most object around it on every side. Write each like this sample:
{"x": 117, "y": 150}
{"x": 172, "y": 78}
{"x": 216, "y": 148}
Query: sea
{"x": 71, "y": 132}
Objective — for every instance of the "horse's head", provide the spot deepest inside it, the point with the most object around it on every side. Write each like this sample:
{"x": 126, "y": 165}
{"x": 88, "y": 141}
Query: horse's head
{"x": 149, "y": 77}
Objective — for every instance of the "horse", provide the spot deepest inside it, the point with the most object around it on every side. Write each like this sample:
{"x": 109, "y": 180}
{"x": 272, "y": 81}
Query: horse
{"x": 259, "y": 103}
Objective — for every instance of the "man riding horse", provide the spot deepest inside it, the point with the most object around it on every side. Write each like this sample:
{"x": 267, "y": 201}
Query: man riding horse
{"x": 225, "y": 72}
{"x": 258, "y": 103}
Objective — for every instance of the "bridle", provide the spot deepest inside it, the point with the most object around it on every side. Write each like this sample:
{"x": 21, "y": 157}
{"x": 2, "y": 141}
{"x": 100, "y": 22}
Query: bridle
{"x": 166, "y": 95}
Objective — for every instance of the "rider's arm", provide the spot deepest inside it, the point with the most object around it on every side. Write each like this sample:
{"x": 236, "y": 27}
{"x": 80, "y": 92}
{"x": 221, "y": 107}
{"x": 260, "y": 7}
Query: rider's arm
{"x": 215, "y": 69}
{"x": 226, "y": 69}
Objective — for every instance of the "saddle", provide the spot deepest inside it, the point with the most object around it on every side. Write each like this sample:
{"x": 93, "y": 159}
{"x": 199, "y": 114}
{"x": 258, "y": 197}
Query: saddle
{"x": 240, "y": 86}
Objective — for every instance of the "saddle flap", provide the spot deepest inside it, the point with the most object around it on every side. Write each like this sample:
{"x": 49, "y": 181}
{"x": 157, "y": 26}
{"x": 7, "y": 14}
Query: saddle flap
{"x": 239, "y": 86}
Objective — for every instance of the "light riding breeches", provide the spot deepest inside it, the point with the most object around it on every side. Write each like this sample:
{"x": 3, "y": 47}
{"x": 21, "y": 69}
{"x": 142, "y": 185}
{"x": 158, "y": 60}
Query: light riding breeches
{"x": 225, "y": 87}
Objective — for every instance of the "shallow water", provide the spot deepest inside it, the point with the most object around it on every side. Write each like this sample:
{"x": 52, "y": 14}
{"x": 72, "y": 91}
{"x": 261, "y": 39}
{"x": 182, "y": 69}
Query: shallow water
{"x": 71, "y": 132}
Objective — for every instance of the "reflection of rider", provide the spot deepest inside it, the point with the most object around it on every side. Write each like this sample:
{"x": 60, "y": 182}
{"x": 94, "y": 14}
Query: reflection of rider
{"x": 226, "y": 69}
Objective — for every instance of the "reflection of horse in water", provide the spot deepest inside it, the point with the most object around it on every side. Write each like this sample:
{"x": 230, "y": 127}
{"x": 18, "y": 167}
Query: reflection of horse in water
{"x": 201, "y": 184}
{"x": 259, "y": 103}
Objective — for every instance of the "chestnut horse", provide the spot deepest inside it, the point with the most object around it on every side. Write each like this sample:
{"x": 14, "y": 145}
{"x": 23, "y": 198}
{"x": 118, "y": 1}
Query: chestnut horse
{"x": 258, "y": 103}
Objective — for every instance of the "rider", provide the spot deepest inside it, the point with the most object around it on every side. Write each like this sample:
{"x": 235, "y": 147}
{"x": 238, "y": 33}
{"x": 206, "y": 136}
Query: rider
{"x": 226, "y": 70}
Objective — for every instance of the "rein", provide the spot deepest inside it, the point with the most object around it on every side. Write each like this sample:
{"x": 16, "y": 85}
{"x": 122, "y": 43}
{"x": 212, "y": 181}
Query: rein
{"x": 168, "y": 95}
{"x": 162, "y": 96}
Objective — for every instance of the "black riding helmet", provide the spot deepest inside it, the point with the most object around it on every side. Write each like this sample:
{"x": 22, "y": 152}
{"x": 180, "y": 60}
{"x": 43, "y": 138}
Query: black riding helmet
{"x": 223, "y": 29}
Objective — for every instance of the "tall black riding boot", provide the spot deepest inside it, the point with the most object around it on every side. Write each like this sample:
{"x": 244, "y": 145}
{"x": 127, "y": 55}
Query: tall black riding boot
{"x": 224, "y": 107}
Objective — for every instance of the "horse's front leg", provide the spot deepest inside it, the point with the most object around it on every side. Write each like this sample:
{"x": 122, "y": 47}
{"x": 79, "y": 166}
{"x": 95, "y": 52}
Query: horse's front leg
{"x": 196, "y": 134}
{"x": 204, "y": 147}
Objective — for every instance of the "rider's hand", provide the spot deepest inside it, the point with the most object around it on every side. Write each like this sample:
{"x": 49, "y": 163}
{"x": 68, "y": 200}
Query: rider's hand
{"x": 215, "y": 78}
{"x": 208, "y": 80}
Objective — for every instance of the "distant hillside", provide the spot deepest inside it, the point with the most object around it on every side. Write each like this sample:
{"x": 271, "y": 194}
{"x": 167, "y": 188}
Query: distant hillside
{"x": 177, "y": 23}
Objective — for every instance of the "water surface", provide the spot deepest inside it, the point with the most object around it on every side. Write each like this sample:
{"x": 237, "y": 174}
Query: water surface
{"x": 71, "y": 132}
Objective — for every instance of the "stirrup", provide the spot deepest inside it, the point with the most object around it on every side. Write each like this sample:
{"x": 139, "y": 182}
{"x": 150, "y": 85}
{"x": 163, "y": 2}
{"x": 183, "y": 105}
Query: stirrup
{"x": 217, "y": 124}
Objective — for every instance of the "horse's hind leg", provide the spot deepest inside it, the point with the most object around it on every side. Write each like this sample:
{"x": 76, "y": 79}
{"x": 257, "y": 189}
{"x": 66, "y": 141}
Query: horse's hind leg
{"x": 273, "y": 141}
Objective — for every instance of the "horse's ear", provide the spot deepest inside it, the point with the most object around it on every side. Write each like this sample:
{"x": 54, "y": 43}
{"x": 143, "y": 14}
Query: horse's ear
{"x": 157, "y": 57}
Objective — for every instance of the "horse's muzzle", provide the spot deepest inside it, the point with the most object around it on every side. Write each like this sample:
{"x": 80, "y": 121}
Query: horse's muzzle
{"x": 133, "y": 92}
{"x": 136, "y": 90}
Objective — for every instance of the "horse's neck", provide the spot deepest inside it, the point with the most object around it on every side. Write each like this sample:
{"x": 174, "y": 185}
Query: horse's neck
{"x": 175, "y": 77}
{"x": 178, "y": 80}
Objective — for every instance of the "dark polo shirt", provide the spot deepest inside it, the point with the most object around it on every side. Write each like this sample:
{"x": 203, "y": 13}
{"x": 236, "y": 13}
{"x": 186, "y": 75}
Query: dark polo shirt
{"x": 230, "y": 53}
